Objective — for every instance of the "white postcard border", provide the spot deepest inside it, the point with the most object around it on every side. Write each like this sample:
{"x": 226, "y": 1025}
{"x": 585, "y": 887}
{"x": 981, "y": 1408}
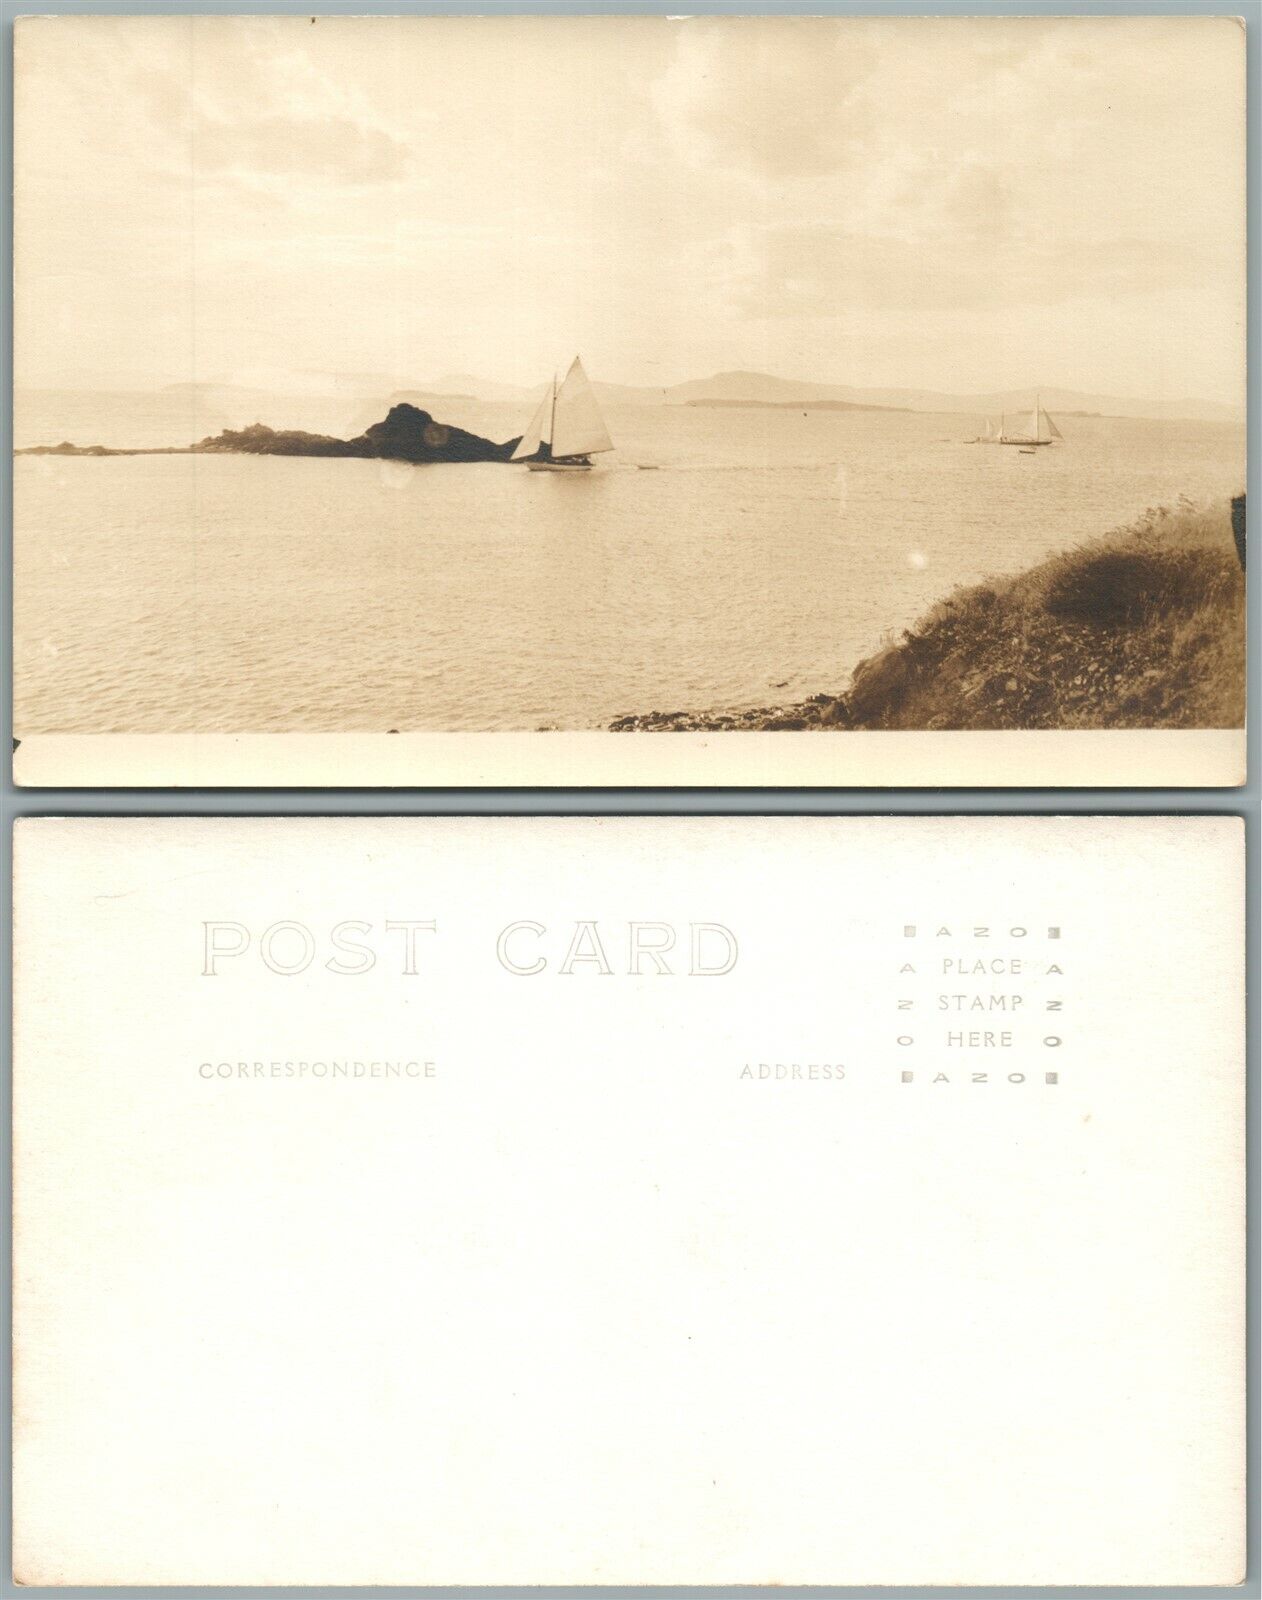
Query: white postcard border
{"x": 1138, "y": 758}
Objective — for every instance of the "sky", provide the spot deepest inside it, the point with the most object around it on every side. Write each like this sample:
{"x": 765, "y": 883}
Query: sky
{"x": 956, "y": 204}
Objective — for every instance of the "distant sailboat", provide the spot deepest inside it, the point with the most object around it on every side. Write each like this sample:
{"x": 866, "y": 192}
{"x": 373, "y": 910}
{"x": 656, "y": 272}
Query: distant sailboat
{"x": 567, "y": 430}
{"x": 1036, "y": 428}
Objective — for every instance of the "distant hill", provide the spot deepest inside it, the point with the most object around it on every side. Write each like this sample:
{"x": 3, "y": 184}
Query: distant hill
{"x": 764, "y": 389}
{"x": 463, "y": 386}
{"x": 467, "y": 388}
{"x": 739, "y": 389}
{"x": 791, "y": 405}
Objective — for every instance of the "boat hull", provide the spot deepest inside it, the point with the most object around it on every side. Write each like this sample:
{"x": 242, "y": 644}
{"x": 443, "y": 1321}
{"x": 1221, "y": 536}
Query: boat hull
{"x": 558, "y": 466}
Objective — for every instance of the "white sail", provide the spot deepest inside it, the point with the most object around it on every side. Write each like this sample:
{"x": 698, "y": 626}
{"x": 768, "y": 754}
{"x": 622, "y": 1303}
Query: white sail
{"x": 540, "y": 429}
{"x": 1040, "y": 429}
{"x": 578, "y": 429}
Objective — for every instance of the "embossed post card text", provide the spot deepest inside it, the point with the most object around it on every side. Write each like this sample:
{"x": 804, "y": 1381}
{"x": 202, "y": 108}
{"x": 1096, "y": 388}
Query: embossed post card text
{"x": 667, "y": 1201}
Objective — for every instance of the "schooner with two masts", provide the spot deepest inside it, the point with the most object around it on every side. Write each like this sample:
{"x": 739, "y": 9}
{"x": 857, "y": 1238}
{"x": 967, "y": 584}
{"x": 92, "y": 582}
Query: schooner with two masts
{"x": 567, "y": 430}
{"x": 1038, "y": 428}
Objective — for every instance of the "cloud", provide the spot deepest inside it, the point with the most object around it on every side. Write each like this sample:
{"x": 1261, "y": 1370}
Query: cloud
{"x": 817, "y": 271}
{"x": 250, "y": 102}
{"x": 976, "y": 202}
{"x": 330, "y": 147}
{"x": 773, "y": 100}
{"x": 706, "y": 192}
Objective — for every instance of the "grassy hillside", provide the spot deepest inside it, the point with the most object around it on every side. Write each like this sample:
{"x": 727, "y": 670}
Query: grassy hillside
{"x": 1142, "y": 628}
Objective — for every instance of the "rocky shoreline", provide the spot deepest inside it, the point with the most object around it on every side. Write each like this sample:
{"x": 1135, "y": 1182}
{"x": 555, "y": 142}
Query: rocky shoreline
{"x": 822, "y": 711}
{"x": 873, "y": 682}
{"x": 1141, "y": 628}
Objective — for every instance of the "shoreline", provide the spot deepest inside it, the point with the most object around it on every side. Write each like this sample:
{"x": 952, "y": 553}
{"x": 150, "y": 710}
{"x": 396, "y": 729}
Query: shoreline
{"x": 1141, "y": 627}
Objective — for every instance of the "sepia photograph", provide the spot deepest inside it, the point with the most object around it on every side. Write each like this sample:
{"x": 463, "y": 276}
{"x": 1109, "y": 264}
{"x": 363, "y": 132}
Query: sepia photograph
{"x": 477, "y": 400}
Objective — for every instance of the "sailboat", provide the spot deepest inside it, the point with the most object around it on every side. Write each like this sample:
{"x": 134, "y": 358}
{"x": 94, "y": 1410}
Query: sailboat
{"x": 1036, "y": 428}
{"x": 567, "y": 430}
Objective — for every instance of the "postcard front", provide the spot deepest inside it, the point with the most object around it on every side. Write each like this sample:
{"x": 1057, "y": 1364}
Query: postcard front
{"x": 666, "y": 1201}
{"x": 456, "y": 401}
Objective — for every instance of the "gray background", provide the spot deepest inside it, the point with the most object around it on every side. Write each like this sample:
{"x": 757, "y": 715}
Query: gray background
{"x": 1242, "y": 802}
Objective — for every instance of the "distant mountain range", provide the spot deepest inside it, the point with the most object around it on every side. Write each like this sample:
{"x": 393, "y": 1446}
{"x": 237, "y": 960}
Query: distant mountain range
{"x": 762, "y": 389}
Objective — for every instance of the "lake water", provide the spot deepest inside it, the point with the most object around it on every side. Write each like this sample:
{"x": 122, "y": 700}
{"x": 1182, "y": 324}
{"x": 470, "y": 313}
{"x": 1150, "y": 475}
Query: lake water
{"x": 764, "y": 556}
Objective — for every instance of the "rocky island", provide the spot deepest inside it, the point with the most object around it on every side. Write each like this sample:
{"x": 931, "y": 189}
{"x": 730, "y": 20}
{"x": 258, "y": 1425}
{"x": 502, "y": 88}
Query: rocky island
{"x": 406, "y": 434}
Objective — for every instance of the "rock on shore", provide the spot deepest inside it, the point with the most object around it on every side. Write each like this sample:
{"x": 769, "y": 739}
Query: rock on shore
{"x": 822, "y": 711}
